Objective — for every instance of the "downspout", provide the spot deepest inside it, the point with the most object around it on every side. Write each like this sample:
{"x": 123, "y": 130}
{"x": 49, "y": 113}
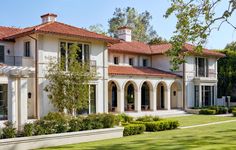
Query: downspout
{"x": 103, "y": 78}
{"x": 36, "y": 75}
{"x": 184, "y": 87}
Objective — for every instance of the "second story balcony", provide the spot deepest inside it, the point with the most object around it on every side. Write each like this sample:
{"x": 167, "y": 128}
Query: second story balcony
{"x": 19, "y": 61}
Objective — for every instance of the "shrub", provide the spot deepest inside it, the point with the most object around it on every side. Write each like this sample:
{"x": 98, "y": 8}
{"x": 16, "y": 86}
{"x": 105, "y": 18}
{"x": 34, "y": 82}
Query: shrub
{"x": 76, "y": 124}
{"x": 125, "y": 118}
{"x": 108, "y": 120}
{"x": 161, "y": 125}
{"x": 219, "y": 109}
{"x": 207, "y": 112}
{"x": 133, "y": 129}
{"x": 57, "y": 121}
{"x": 234, "y": 113}
{"x": 148, "y": 118}
{"x": 8, "y": 131}
{"x": 28, "y": 129}
{"x": 95, "y": 120}
{"x": 231, "y": 109}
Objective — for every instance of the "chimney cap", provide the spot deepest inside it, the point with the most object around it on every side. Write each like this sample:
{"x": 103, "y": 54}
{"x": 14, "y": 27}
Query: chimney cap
{"x": 124, "y": 27}
{"x": 49, "y": 14}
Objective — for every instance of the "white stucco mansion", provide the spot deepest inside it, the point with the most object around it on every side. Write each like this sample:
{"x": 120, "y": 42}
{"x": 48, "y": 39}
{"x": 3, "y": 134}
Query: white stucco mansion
{"x": 131, "y": 75}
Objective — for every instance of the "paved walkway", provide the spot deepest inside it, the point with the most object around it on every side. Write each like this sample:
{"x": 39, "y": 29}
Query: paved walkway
{"x": 207, "y": 124}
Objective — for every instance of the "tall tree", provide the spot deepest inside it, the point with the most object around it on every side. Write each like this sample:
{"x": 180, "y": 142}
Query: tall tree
{"x": 139, "y": 22}
{"x": 98, "y": 28}
{"x": 195, "y": 21}
{"x": 68, "y": 86}
{"x": 157, "y": 40}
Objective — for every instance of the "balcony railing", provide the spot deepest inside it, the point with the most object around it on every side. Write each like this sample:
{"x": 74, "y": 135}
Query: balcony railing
{"x": 19, "y": 61}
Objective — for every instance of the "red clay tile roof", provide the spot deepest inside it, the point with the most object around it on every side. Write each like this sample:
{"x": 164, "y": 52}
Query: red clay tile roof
{"x": 139, "y": 71}
{"x": 131, "y": 47}
{"x": 62, "y": 29}
{"x": 142, "y": 48}
{"x": 5, "y": 31}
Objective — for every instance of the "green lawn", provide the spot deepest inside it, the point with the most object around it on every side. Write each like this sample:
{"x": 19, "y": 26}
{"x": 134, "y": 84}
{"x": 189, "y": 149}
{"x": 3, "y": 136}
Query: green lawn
{"x": 199, "y": 119}
{"x": 221, "y": 136}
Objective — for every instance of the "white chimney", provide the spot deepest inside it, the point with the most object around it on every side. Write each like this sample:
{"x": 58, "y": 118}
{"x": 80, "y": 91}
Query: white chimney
{"x": 49, "y": 17}
{"x": 125, "y": 33}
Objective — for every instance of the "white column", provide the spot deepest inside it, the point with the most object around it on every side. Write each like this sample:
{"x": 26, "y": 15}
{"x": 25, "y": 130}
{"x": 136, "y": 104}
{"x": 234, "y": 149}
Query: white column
{"x": 200, "y": 95}
{"x": 121, "y": 101}
{"x": 12, "y": 102}
{"x": 138, "y": 101}
{"x": 23, "y": 104}
{"x": 153, "y": 100}
{"x": 168, "y": 103}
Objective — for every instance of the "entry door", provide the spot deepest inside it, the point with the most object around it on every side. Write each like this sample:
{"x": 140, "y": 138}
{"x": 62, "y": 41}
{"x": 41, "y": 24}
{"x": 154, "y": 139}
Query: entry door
{"x": 2, "y": 53}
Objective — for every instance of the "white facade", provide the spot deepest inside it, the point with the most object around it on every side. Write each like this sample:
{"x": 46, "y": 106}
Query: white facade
{"x": 114, "y": 93}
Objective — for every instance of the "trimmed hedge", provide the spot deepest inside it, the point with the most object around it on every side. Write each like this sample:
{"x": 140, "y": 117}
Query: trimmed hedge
{"x": 161, "y": 125}
{"x": 234, "y": 113}
{"x": 207, "y": 112}
{"x": 133, "y": 129}
{"x": 59, "y": 123}
{"x": 148, "y": 118}
{"x": 231, "y": 109}
{"x": 219, "y": 109}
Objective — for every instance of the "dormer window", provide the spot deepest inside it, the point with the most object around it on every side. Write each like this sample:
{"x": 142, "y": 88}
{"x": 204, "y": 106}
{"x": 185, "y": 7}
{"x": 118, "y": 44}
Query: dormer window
{"x": 131, "y": 61}
{"x": 116, "y": 60}
{"x": 27, "y": 49}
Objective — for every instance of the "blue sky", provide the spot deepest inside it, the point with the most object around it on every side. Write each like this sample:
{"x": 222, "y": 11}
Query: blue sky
{"x": 83, "y": 13}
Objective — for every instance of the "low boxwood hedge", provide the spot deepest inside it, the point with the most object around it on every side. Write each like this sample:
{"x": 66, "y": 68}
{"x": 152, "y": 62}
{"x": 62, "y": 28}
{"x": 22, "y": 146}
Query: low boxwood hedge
{"x": 234, "y": 113}
{"x": 207, "y": 112}
{"x": 161, "y": 125}
{"x": 133, "y": 129}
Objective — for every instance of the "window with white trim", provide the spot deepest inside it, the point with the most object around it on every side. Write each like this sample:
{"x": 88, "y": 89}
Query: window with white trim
{"x": 116, "y": 60}
{"x": 201, "y": 67}
{"x": 27, "y": 49}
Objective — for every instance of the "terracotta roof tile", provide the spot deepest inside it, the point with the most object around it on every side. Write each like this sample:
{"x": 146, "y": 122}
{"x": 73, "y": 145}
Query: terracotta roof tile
{"x": 5, "y": 31}
{"x": 142, "y": 48}
{"x": 62, "y": 29}
{"x": 139, "y": 71}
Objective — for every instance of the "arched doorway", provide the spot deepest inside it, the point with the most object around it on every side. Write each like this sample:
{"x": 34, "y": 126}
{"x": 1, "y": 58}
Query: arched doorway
{"x": 145, "y": 96}
{"x": 112, "y": 96}
{"x": 176, "y": 96}
{"x": 130, "y": 96}
{"x": 161, "y": 95}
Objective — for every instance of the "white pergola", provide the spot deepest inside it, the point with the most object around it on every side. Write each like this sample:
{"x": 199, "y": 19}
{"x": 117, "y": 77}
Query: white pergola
{"x": 17, "y": 92}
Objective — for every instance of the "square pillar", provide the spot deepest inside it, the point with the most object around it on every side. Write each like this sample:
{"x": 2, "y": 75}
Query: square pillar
{"x": 168, "y": 103}
{"x": 121, "y": 101}
{"x": 153, "y": 100}
{"x": 23, "y": 104}
{"x": 12, "y": 100}
{"x": 200, "y": 95}
{"x": 138, "y": 102}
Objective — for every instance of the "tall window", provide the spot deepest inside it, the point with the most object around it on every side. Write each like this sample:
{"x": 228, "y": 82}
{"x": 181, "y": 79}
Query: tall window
{"x": 83, "y": 52}
{"x": 145, "y": 62}
{"x": 201, "y": 67}
{"x": 92, "y": 99}
{"x": 196, "y": 96}
{"x": 208, "y": 95}
{"x": 131, "y": 61}
{"x": 3, "y": 102}
{"x": 27, "y": 49}
{"x": 2, "y": 53}
{"x": 116, "y": 60}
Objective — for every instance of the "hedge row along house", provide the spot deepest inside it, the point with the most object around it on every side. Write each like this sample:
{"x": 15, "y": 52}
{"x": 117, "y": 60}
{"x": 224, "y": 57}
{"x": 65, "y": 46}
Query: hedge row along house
{"x": 131, "y": 76}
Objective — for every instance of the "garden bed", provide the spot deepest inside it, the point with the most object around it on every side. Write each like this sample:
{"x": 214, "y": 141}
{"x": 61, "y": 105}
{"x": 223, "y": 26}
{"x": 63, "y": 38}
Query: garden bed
{"x": 33, "y": 142}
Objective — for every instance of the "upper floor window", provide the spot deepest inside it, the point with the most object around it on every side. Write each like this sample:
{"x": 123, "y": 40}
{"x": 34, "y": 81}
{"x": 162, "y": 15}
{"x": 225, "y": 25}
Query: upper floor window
{"x": 2, "y": 53}
{"x": 145, "y": 61}
{"x": 201, "y": 67}
{"x": 27, "y": 49}
{"x": 131, "y": 61}
{"x": 116, "y": 60}
{"x": 83, "y": 51}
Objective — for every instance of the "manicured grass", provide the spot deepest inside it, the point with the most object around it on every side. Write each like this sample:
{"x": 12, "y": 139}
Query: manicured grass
{"x": 221, "y": 136}
{"x": 199, "y": 119}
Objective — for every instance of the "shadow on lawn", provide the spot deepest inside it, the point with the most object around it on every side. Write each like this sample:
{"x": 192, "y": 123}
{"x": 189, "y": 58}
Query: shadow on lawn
{"x": 177, "y": 142}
